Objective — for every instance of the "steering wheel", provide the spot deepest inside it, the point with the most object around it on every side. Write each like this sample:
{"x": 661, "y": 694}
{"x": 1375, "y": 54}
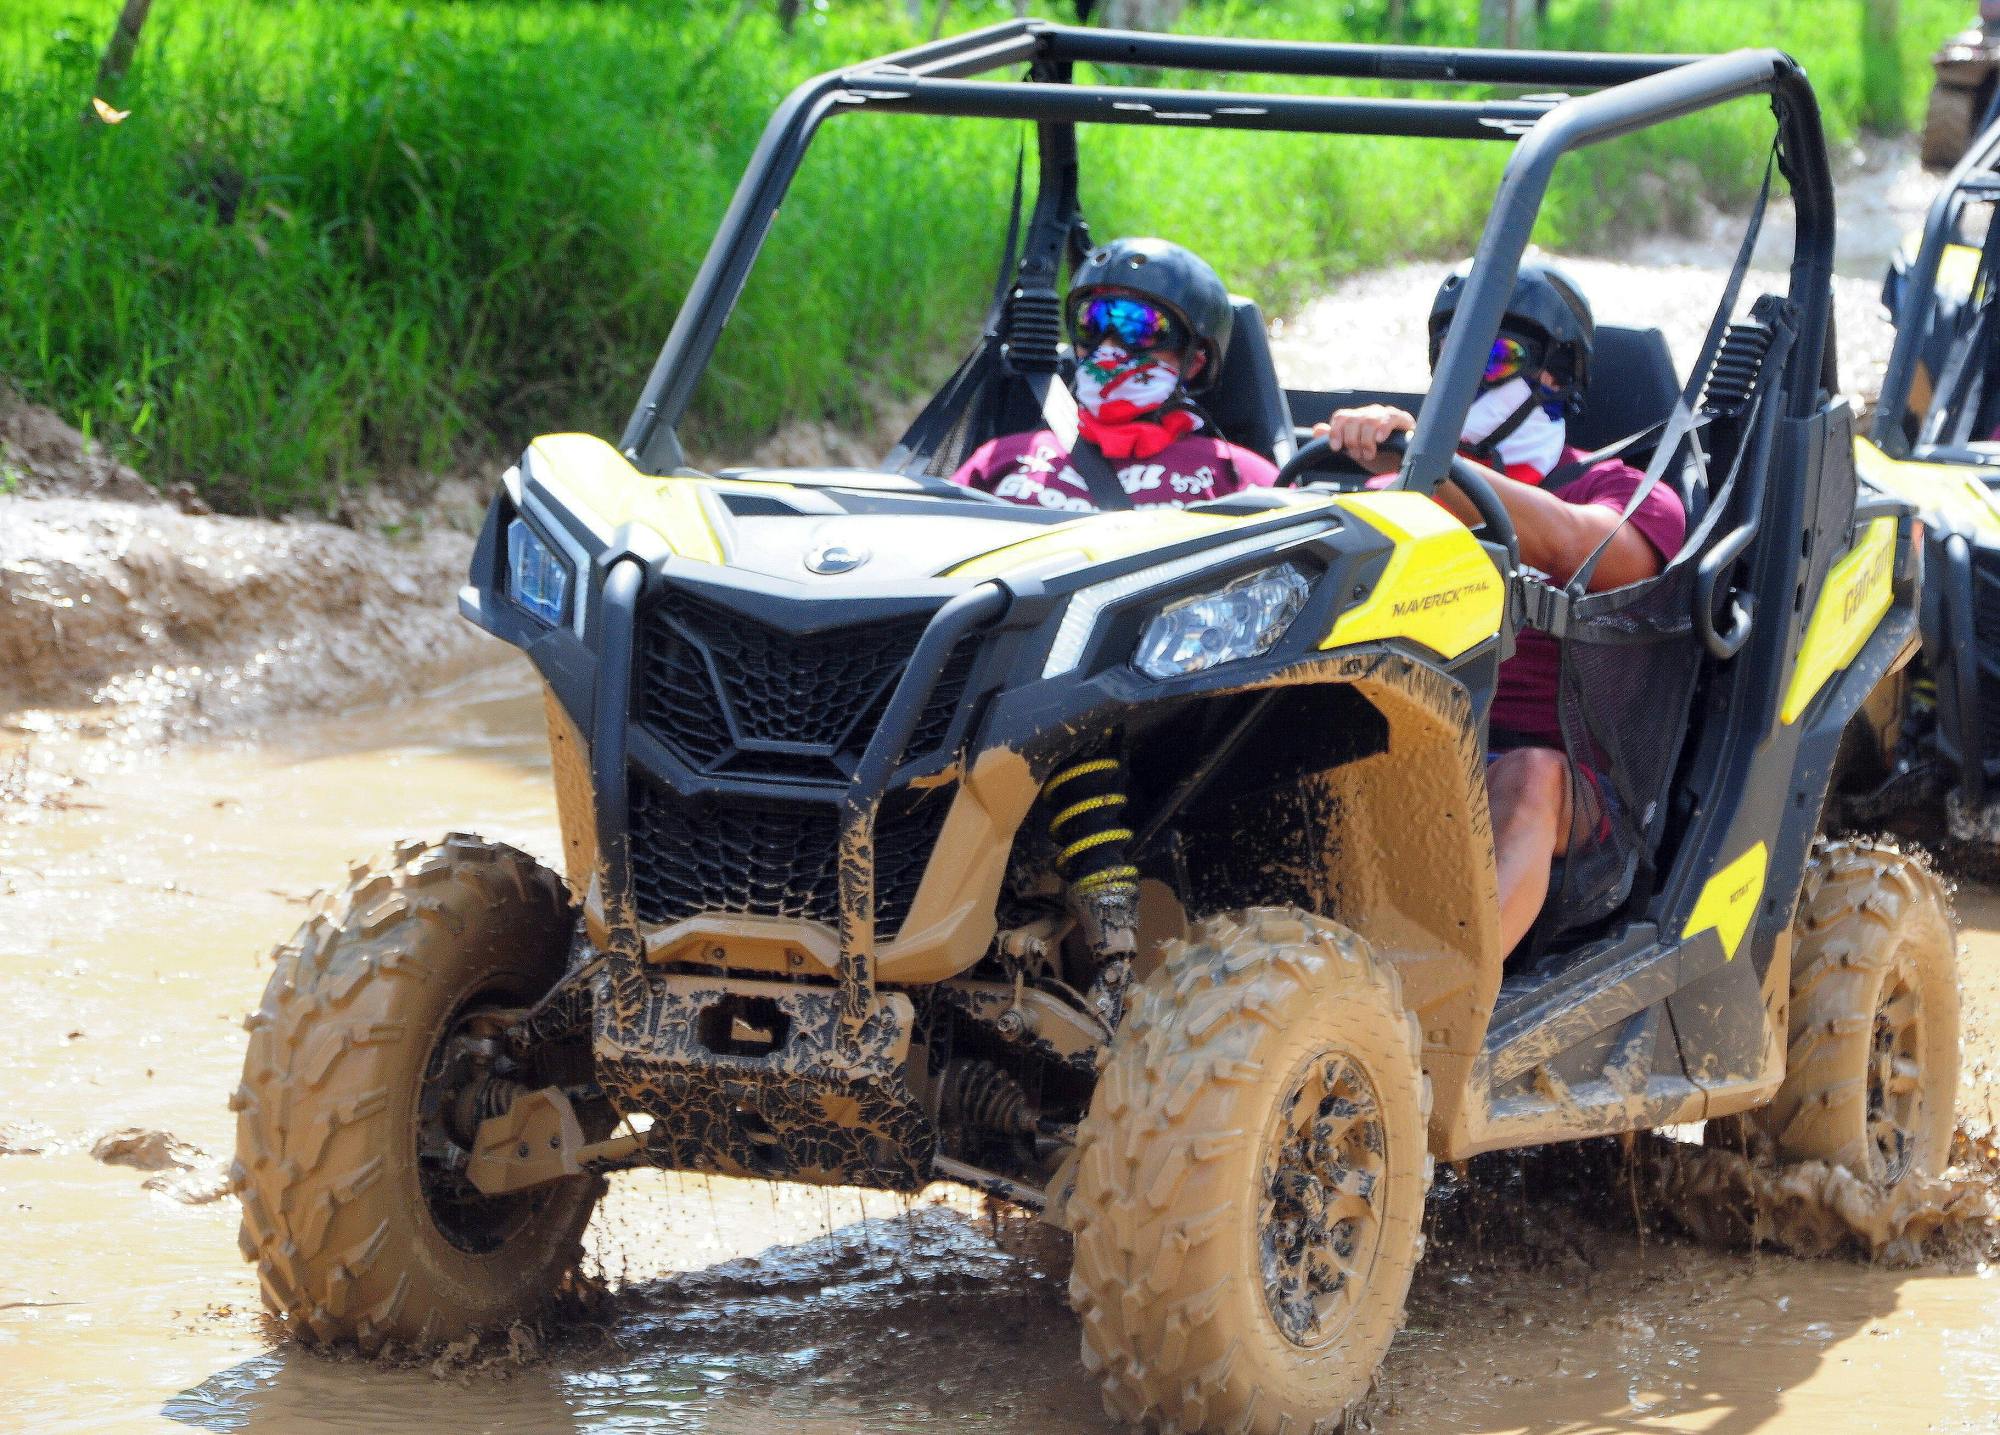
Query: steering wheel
{"x": 1467, "y": 475}
{"x": 1320, "y": 453}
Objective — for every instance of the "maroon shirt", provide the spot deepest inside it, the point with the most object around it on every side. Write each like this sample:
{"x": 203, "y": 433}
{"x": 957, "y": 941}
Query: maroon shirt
{"x": 1525, "y": 701}
{"x": 1033, "y": 469}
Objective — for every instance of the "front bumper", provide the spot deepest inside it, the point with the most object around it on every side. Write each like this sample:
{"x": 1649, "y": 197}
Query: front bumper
{"x": 749, "y": 1078}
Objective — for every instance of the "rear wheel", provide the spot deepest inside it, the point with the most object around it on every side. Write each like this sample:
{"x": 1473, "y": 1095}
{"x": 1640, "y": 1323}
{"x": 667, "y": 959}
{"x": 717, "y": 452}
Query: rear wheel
{"x": 356, "y": 1091}
{"x": 1251, "y": 1181}
{"x": 1871, "y": 1076}
{"x": 1948, "y": 122}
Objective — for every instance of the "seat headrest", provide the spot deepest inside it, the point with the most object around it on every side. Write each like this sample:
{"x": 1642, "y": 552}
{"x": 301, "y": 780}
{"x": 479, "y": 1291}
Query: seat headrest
{"x": 1632, "y": 386}
{"x": 1246, "y": 400}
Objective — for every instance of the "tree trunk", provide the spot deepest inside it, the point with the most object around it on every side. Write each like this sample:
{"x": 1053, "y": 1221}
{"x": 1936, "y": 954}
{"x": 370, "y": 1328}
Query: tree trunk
{"x": 1882, "y": 106}
{"x": 1506, "y": 22}
{"x": 118, "y": 51}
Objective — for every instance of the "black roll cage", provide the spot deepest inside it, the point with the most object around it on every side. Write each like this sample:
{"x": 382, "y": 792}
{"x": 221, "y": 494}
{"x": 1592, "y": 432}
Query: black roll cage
{"x": 1974, "y": 179}
{"x": 1629, "y": 93}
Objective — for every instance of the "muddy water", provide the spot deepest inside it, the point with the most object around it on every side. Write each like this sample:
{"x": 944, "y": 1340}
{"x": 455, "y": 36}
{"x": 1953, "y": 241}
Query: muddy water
{"x": 139, "y": 891}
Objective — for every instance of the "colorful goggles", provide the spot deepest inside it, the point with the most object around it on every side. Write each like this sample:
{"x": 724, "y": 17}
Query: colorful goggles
{"x": 1138, "y": 325}
{"x": 1512, "y": 357}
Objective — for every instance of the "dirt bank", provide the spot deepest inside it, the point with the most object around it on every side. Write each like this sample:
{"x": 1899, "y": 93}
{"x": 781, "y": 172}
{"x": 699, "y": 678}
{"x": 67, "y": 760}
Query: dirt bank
{"x": 126, "y": 610}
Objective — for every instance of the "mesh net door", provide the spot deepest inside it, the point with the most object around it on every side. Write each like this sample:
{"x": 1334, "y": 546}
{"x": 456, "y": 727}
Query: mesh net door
{"x": 1629, "y": 664}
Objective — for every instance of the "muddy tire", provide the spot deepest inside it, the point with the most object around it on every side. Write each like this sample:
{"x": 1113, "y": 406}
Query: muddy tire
{"x": 1251, "y": 1181}
{"x": 1871, "y": 1074}
{"x": 354, "y": 1236}
{"x": 1948, "y": 122}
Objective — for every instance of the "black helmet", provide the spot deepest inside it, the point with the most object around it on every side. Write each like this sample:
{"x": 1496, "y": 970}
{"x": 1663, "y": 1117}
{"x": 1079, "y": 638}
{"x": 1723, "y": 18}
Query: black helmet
{"x": 1175, "y": 278}
{"x": 1548, "y": 305}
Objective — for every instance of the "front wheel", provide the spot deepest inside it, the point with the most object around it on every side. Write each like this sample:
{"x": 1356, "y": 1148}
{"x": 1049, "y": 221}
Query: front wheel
{"x": 360, "y": 1222}
{"x": 1251, "y": 1181}
{"x": 1871, "y": 1075}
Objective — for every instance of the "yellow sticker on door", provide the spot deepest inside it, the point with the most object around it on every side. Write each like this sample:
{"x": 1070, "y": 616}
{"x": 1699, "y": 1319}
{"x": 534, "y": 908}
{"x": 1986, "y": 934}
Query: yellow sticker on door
{"x": 1729, "y": 901}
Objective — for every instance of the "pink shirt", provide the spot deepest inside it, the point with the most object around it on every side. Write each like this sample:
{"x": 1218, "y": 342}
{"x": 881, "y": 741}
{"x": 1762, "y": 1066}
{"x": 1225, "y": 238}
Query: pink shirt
{"x": 1033, "y": 469}
{"x": 1525, "y": 702}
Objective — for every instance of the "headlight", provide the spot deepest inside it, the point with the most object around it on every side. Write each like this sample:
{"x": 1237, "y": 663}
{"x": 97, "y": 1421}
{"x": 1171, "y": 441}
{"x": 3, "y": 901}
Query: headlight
{"x": 538, "y": 577}
{"x": 1240, "y": 621}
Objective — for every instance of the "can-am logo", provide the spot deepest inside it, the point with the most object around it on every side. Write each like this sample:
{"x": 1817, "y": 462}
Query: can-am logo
{"x": 836, "y": 558}
{"x": 1874, "y": 572}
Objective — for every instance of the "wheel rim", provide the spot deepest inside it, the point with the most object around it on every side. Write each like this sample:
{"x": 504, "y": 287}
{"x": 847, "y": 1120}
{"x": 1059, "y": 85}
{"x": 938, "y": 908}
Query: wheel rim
{"x": 1321, "y": 1218}
{"x": 1895, "y": 1078}
{"x": 471, "y": 1221}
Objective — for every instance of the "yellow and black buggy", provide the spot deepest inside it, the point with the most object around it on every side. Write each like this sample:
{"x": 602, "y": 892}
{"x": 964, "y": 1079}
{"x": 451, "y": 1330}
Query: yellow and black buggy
{"x": 1933, "y": 730}
{"x": 899, "y": 844}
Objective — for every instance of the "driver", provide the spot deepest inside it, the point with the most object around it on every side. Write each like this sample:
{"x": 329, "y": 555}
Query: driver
{"x": 1563, "y": 507}
{"x": 1148, "y": 322}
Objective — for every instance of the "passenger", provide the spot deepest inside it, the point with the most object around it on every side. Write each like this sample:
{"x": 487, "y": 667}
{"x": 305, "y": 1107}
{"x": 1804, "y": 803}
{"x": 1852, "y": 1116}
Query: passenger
{"x": 1517, "y": 431}
{"x": 1148, "y": 322}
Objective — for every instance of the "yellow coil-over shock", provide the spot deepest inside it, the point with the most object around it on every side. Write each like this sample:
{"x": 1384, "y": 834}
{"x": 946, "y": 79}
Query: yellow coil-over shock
{"x": 1092, "y": 858}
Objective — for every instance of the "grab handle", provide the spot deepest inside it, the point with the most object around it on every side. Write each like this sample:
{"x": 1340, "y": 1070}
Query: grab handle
{"x": 1724, "y": 643}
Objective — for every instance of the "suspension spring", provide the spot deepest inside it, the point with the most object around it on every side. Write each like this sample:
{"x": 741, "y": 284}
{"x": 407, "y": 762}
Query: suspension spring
{"x": 980, "y": 1095}
{"x": 484, "y": 1098}
{"x": 1089, "y": 832}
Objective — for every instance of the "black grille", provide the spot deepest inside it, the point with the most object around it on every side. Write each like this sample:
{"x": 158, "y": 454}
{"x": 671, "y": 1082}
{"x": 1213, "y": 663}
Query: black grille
{"x": 734, "y": 696}
{"x": 772, "y": 859}
{"x": 934, "y": 722}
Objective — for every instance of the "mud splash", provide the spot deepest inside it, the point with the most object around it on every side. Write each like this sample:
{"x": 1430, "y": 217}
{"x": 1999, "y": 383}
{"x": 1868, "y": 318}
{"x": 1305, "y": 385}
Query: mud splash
{"x": 1813, "y": 1209}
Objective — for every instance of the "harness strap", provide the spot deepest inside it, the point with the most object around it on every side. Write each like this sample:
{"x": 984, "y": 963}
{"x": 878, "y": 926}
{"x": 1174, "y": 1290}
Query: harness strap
{"x": 1570, "y": 470}
{"x": 1098, "y": 475}
{"x": 1488, "y": 448}
{"x": 1681, "y": 421}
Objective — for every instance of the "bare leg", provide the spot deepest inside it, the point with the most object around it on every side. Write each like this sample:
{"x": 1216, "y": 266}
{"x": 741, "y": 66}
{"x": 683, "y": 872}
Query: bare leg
{"x": 1530, "y": 792}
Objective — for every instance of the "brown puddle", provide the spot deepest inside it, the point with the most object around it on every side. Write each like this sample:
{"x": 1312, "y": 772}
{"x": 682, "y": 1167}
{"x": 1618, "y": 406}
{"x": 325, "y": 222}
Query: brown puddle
{"x": 136, "y": 906}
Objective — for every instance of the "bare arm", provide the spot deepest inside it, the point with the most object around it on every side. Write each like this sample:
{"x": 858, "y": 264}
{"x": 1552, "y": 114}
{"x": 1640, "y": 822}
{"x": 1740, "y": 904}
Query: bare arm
{"x": 1556, "y": 537}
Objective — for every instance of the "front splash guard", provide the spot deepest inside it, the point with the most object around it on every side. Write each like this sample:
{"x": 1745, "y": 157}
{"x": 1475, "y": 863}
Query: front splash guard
{"x": 750, "y": 1078}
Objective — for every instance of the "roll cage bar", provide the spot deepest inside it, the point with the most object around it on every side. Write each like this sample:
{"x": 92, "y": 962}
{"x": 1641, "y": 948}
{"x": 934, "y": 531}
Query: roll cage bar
{"x": 1974, "y": 179}
{"x": 1629, "y": 93}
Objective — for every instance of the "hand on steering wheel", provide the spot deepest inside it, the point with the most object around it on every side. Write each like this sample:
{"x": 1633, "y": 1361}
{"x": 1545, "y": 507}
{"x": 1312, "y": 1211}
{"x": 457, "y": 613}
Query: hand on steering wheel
{"x": 1470, "y": 479}
{"x": 1353, "y": 441}
{"x": 1320, "y": 454}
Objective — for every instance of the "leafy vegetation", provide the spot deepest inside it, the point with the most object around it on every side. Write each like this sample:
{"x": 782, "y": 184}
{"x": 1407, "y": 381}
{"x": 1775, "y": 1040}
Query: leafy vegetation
{"x": 338, "y": 239}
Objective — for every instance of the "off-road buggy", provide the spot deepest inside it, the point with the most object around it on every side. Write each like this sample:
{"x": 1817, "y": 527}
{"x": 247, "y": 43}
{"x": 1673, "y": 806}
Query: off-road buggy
{"x": 1134, "y": 866}
{"x": 1933, "y": 731}
{"x": 1967, "y": 67}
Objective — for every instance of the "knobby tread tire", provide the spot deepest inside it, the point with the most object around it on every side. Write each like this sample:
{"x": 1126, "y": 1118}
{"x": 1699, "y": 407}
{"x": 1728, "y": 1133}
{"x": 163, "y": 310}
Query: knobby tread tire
{"x": 1949, "y": 118}
{"x": 1167, "y": 1282}
{"x": 1867, "y": 910}
{"x": 334, "y": 1217}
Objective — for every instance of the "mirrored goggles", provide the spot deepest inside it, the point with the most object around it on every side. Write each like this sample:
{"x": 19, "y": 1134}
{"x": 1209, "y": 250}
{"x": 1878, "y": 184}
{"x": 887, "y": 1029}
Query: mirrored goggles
{"x": 1134, "y": 323}
{"x": 1511, "y": 357}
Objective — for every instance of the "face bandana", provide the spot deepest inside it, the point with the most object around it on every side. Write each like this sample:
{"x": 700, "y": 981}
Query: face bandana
{"x": 1117, "y": 391}
{"x": 1537, "y": 441}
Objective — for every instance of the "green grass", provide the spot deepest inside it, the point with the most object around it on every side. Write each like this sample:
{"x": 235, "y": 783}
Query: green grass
{"x": 343, "y": 239}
